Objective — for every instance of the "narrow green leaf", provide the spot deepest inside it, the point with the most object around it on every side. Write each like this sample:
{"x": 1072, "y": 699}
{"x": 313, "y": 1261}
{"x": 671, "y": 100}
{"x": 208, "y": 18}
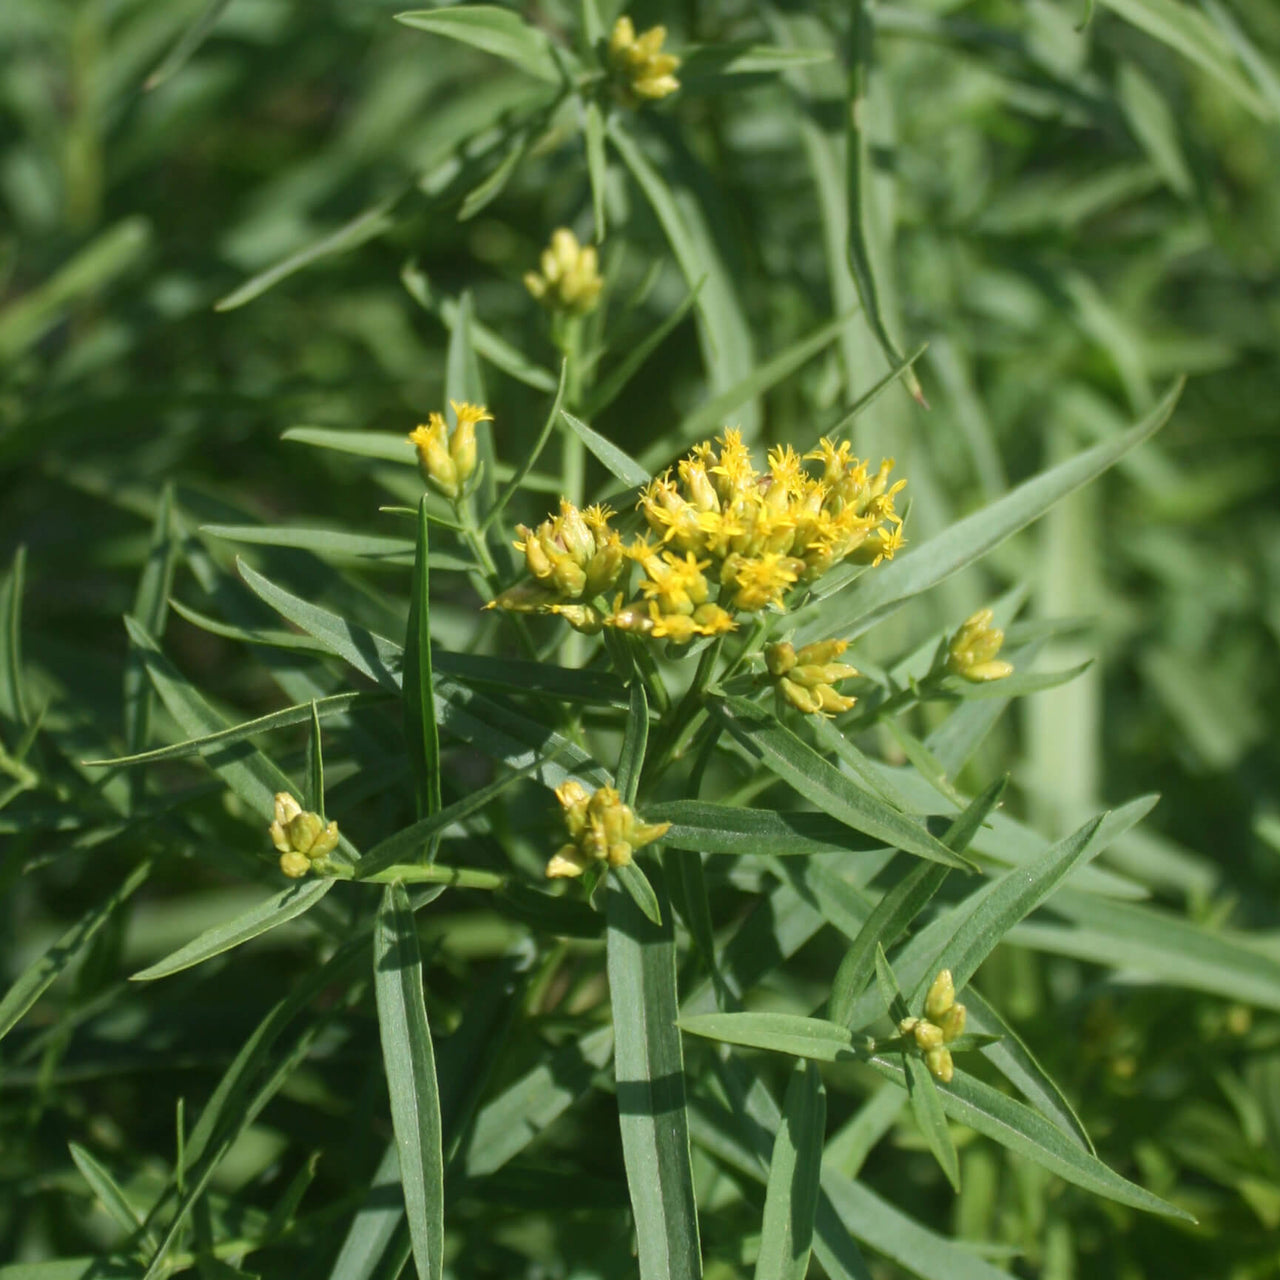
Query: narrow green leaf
{"x": 649, "y": 1066}
{"x": 860, "y": 248}
{"x": 1190, "y": 33}
{"x": 26, "y": 319}
{"x": 149, "y": 608}
{"x": 497, "y": 31}
{"x": 706, "y": 65}
{"x": 900, "y": 906}
{"x": 245, "y": 770}
{"x": 497, "y": 351}
{"x": 1027, "y": 1133}
{"x": 513, "y": 486}
{"x": 529, "y": 1106}
{"x": 375, "y": 1225}
{"x": 615, "y": 461}
{"x": 869, "y": 397}
{"x": 812, "y": 1038}
{"x": 371, "y": 654}
{"x": 409, "y": 1060}
{"x": 193, "y": 36}
{"x": 13, "y": 703}
{"x": 269, "y": 914}
{"x": 885, "y": 589}
{"x": 365, "y": 226}
{"x": 1001, "y": 904}
{"x": 636, "y": 884}
{"x": 410, "y": 844}
{"x": 847, "y": 1210}
{"x": 607, "y": 390}
{"x": 712, "y": 414}
{"x": 1144, "y": 940}
{"x": 791, "y": 1199}
{"x": 417, "y": 690}
{"x": 823, "y": 784}
{"x": 1019, "y": 1066}
{"x": 720, "y": 828}
{"x": 491, "y": 187}
{"x": 926, "y": 1106}
{"x": 338, "y": 544}
{"x": 107, "y": 1189}
{"x": 384, "y": 446}
{"x": 723, "y": 333}
{"x": 335, "y": 705}
{"x": 597, "y": 164}
{"x": 634, "y": 741}
{"x": 40, "y": 974}
{"x": 313, "y": 792}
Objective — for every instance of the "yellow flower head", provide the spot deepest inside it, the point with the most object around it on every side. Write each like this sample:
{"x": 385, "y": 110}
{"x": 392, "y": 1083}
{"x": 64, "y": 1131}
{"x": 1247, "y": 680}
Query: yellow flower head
{"x": 760, "y": 582}
{"x": 447, "y": 458}
{"x": 601, "y": 829}
{"x": 638, "y": 61}
{"x": 570, "y": 279}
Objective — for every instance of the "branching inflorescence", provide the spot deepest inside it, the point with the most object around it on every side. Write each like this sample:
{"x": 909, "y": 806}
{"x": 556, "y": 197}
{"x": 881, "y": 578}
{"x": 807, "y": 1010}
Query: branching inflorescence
{"x": 723, "y": 539}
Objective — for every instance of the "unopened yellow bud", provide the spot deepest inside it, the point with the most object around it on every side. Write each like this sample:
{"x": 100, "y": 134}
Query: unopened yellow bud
{"x": 299, "y": 833}
{"x": 952, "y": 1023}
{"x": 779, "y": 658}
{"x": 942, "y": 995}
{"x": 570, "y": 277}
{"x": 295, "y": 865}
{"x": 927, "y": 1035}
{"x": 940, "y": 1065}
{"x": 644, "y": 70}
{"x": 971, "y": 652}
{"x": 601, "y": 829}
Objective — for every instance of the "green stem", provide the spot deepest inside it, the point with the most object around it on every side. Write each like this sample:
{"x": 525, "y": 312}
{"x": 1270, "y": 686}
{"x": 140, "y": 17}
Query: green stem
{"x": 684, "y": 720}
{"x": 427, "y": 873}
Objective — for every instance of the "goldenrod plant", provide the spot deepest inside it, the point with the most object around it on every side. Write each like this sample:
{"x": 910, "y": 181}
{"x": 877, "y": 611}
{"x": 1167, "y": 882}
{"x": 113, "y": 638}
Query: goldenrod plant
{"x": 593, "y": 602}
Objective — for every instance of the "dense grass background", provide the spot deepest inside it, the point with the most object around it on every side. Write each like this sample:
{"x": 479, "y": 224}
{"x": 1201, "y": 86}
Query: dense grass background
{"x": 1070, "y": 208}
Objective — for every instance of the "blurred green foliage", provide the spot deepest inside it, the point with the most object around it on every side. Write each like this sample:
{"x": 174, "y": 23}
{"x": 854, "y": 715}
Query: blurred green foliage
{"x": 222, "y": 221}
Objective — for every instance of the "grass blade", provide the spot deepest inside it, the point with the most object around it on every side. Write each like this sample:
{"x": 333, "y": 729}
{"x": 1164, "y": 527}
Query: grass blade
{"x": 649, "y": 1065}
{"x": 497, "y": 31}
{"x": 274, "y": 911}
{"x": 899, "y": 907}
{"x": 411, "y": 1077}
{"x": 823, "y": 784}
{"x": 42, "y": 972}
{"x": 615, "y": 461}
{"x": 12, "y": 697}
{"x": 791, "y": 1198}
{"x": 417, "y": 689}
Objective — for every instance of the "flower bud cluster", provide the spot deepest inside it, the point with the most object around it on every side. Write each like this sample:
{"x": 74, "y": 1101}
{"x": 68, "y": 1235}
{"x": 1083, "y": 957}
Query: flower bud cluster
{"x": 646, "y": 72}
{"x": 805, "y": 677}
{"x": 730, "y": 539}
{"x": 570, "y": 277}
{"x": 447, "y": 458}
{"x": 303, "y": 838}
{"x": 573, "y": 557}
{"x": 971, "y": 652}
{"x": 601, "y": 829}
{"x": 943, "y": 1022}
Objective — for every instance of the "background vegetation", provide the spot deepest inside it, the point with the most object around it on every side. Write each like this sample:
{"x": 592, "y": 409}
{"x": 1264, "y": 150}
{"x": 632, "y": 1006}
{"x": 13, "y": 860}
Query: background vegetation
{"x": 311, "y": 216}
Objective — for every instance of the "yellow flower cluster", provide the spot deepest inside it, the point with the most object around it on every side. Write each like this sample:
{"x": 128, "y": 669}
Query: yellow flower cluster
{"x": 302, "y": 838}
{"x": 806, "y": 676}
{"x": 447, "y": 458}
{"x": 971, "y": 652}
{"x": 729, "y": 539}
{"x": 640, "y": 62}
{"x": 601, "y": 829}
{"x": 942, "y": 1023}
{"x": 570, "y": 276}
{"x": 574, "y": 557}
